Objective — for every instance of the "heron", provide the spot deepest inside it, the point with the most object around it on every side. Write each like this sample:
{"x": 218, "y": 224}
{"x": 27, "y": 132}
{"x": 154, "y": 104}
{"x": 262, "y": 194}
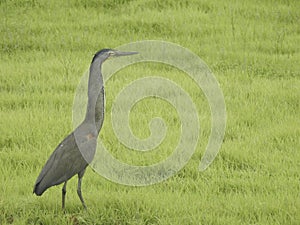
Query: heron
{"x": 76, "y": 151}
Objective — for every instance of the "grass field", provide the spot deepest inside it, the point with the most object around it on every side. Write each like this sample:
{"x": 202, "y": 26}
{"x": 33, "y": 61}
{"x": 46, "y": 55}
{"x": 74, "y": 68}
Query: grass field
{"x": 251, "y": 46}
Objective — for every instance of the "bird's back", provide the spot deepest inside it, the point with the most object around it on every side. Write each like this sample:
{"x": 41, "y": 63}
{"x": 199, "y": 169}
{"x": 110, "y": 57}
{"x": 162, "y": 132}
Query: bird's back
{"x": 66, "y": 161}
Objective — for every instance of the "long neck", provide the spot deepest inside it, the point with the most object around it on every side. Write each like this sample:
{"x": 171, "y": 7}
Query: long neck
{"x": 95, "y": 106}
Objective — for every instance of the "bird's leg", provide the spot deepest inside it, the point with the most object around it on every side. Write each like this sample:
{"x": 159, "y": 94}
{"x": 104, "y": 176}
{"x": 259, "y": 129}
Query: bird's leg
{"x": 80, "y": 175}
{"x": 64, "y": 191}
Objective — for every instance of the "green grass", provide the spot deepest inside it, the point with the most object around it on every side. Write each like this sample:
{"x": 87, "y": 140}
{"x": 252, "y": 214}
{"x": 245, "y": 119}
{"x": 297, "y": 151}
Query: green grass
{"x": 251, "y": 46}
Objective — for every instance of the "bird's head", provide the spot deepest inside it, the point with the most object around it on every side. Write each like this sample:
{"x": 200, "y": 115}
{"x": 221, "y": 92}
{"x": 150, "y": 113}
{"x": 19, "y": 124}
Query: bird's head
{"x": 105, "y": 54}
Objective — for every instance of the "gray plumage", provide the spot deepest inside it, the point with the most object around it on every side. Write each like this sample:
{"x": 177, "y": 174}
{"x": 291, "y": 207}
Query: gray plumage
{"x": 77, "y": 150}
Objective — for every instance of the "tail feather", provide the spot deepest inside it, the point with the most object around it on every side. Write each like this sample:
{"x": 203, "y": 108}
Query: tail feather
{"x": 38, "y": 190}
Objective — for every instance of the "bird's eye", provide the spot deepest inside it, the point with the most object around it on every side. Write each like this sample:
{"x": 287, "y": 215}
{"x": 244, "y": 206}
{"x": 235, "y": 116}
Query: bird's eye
{"x": 111, "y": 53}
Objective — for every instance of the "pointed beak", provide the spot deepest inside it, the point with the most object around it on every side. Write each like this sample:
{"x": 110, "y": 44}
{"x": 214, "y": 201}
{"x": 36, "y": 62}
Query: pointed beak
{"x": 119, "y": 53}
